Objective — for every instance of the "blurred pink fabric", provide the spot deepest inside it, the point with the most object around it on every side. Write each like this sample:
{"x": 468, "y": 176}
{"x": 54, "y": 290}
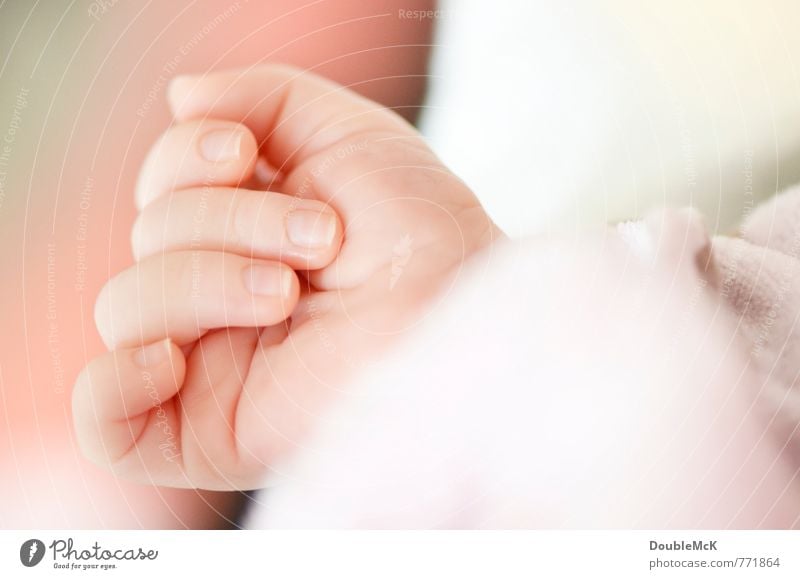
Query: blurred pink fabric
{"x": 638, "y": 377}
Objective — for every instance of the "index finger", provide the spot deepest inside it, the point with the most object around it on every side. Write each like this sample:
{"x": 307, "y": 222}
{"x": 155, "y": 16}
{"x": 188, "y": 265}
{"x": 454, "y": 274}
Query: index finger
{"x": 293, "y": 113}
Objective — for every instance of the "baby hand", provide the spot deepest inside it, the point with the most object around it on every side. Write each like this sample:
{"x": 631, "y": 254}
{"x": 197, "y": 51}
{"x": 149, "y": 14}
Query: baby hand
{"x": 227, "y": 381}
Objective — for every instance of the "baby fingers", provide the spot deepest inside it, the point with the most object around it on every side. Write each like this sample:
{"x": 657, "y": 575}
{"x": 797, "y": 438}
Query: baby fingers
{"x": 196, "y": 153}
{"x": 302, "y": 233}
{"x": 124, "y": 412}
{"x": 183, "y": 294}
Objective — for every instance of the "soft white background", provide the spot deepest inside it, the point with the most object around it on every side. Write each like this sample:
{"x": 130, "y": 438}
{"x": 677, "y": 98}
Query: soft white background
{"x": 565, "y": 114}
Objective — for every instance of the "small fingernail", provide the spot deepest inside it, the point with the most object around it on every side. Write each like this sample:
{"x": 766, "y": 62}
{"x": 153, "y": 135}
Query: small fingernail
{"x": 222, "y": 145}
{"x": 268, "y": 280}
{"x": 152, "y": 355}
{"x": 311, "y": 229}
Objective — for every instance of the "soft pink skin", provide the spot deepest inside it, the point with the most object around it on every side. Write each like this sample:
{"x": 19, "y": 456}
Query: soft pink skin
{"x": 87, "y": 121}
{"x": 249, "y": 386}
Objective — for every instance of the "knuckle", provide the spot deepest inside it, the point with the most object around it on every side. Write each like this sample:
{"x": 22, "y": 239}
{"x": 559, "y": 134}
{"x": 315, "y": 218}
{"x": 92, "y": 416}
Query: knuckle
{"x": 186, "y": 275}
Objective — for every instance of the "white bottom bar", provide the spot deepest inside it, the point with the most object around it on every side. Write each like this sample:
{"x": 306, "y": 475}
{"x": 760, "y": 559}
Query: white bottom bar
{"x": 401, "y": 554}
